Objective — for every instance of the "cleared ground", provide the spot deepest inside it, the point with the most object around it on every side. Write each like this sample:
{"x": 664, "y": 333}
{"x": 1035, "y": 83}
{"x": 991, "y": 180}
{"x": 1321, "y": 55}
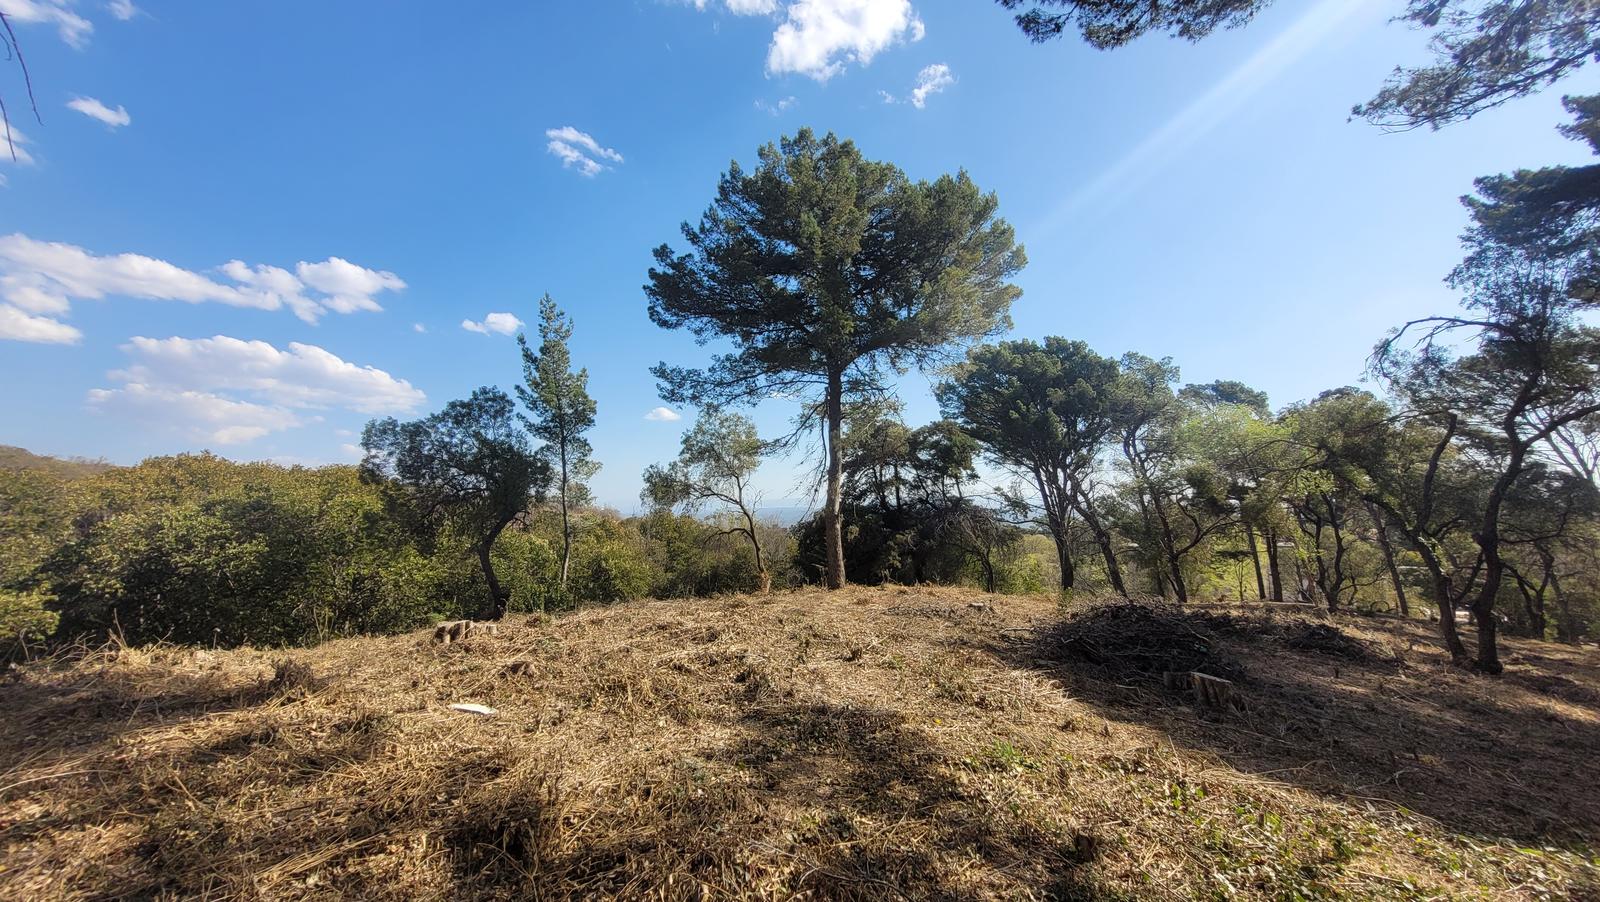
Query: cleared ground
{"x": 895, "y": 743}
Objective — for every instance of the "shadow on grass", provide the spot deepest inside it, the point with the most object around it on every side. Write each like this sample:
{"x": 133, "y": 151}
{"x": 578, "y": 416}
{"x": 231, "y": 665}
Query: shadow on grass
{"x": 1480, "y": 755}
{"x": 883, "y": 815}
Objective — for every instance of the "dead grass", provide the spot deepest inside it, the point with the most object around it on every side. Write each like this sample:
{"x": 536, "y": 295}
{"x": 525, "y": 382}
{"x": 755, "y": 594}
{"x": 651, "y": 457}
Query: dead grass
{"x": 868, "y": 744}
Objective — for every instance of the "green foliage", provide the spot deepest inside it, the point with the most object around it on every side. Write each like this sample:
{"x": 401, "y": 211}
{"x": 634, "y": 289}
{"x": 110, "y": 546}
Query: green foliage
{"x": 822, "y": 261}
{"x": 529, "y": 564}
{"x": 1044, "y": 412}
{"x": 467, "y": 467}
{"x": 609, "y": 564}
{"x": 35, "y": 516}
{"x": 828, "y": 272}
{"x": 1112, "y": 23}
{"x": 718, "y": 457}
{"x": 560, "y": 411}
{"x": 24, "y": 618}
{"x": 195, "y": 549}
{"x": 1487, "y": 52}
{"x": 911, "y": 519}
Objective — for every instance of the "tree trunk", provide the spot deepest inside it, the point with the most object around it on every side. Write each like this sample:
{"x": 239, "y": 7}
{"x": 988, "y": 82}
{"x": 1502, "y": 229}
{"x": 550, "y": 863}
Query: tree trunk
{"x": 1488, "y": 539}
{"x": 1255, "y": 558}
{"x": 1272, "y": 565}
{"x": 1102, "y": 538}
{"x": 1566, "y": 624}
{"x": 1443, "y": 597}
{"x": 1547, "y": 563}
{"x": 1069, "y": 572}
{"x": 1388, "y": 558}
{"x": 1054, "y": 499}
{"x": 566, "y": 522}
{"x": 1175, "y": 566}
{"x": 1108, "y": 553}
{"x": 499, "y": 599}
{"x": 755, "y": 545}
{"x": 832, "y": 515}
{"x": 1488, "y": 659}
{"x": 1169, "y": 550}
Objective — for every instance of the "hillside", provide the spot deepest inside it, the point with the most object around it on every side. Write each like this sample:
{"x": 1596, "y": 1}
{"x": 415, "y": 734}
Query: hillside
{"x": 14, "y": 458}
{"x": 895, "y": 743}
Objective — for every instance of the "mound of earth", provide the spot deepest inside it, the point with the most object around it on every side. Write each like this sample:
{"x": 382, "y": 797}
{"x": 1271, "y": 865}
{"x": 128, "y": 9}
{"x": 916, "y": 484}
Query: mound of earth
{"x": 862, "y": 744}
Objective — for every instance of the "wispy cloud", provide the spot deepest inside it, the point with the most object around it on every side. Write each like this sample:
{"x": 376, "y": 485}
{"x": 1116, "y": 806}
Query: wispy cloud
{"x": 931, "y": 80}
{"x": 579, "y": 150}
{"x": 73, "y": 28}
{"x": 776, "y": 107}
{"x": 663, "y": 415}
{"x": 122, "y": 10}
{"x": 94, "y": 109}
{"x": 742, "y": 7}
{"x": 503, "y": 323}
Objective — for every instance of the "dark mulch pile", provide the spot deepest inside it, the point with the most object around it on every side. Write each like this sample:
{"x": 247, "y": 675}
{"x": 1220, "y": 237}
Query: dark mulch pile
{"x": 1300, "y": 635}
{"x": 1136, "y": 639}
{"x": 1329, "y": 640}
{"x": 1132, "y": 639}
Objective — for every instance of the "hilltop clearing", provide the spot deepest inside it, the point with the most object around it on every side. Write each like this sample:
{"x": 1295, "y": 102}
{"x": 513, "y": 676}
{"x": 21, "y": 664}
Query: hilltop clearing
{"x": 864, "y": 744}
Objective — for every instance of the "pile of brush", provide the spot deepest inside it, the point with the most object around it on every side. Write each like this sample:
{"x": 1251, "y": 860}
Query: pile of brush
{"x": 1140, "y": 640}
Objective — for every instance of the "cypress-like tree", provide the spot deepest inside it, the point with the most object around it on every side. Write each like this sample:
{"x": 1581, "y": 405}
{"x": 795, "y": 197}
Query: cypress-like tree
{"x": 560, "y": 411}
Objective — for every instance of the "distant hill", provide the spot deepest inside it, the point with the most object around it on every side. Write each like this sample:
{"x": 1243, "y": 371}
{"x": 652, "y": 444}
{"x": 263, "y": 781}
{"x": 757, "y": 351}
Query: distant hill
{"x": 14, "y": 458}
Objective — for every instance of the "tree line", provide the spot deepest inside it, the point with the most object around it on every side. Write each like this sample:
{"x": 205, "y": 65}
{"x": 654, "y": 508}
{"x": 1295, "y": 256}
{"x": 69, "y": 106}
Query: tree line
{"x": 1467, "y": 480}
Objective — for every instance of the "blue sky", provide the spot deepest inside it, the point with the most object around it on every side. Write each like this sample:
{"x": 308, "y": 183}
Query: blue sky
{"x": 320, "y": 196}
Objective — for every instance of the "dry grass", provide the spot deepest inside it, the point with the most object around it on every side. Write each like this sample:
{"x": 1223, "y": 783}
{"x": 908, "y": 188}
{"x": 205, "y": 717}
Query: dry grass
{"x": 897, "y": 743}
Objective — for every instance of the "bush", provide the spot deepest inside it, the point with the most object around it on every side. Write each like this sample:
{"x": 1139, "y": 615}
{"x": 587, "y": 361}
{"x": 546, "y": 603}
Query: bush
{"x": 609, "y": 564}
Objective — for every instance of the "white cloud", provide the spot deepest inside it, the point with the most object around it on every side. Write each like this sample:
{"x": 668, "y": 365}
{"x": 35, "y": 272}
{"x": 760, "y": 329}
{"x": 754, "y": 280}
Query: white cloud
{"x": 73, "y": 28}
{"x": 304, "y": 376}
{"x": 348, "y": 287}
{"x": 777, "y": 107}
{"x": 418, "y": 328}
{"x": 504, "y": 323}
{"x": 230, "y": 391}
{"x": 43, "y": 278}
{"x": 578, "y": 150}
{"x": 663, "y": 415}
{"x": 18, "y": 326}
{"x": 122, "y": 10}
{"x": 94, "y": 109}
{"x": 931, "y": 80}
{"x": 818, "y": 37}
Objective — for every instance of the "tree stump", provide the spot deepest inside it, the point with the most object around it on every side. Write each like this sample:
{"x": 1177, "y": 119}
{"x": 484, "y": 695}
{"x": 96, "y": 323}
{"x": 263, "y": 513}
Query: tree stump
{"x": 457, "y": 630}
{"x": 1208, "y": 691}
